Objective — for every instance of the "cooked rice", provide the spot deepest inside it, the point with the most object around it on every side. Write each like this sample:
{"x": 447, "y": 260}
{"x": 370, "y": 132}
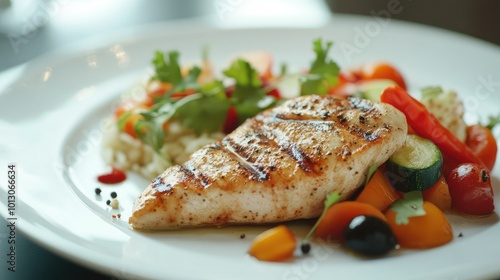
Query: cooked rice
{"x": 127, "y": 153}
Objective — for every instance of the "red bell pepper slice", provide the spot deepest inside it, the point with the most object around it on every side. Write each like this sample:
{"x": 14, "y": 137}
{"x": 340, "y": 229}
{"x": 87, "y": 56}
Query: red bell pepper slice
{"x": 428, "y": 126}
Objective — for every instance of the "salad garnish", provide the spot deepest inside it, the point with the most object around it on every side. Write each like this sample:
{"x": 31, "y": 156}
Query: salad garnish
{"x": 411, "y": 205}
{"x": 218, "y": 104}
{"x": 323, "y": 73}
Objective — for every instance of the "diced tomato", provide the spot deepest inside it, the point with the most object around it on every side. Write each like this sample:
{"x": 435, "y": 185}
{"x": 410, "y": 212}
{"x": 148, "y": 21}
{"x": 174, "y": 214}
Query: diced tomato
{"x": 229, "y": 91}
{"x": 382, "y": 70}
{"x": 274, "y": 93}
{"x": 231, "y": 122}
{"x": 113, "y": 176}
{"x": 275, "y": 244}
{"x": 129, "y": 125}
{"x": 483, "y": 144}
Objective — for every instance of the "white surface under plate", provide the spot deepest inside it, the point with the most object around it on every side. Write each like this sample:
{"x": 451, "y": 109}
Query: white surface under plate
{"x": 51, "y": 113}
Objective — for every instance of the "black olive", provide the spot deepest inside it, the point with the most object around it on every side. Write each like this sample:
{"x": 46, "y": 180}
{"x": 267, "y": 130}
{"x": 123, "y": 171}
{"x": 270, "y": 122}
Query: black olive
{"x": 369, "y": 236}
{"x": 305, "y": 247}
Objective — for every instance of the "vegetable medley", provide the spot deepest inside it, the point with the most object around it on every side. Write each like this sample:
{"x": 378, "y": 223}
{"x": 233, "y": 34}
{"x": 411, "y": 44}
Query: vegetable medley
{"x": 444, "y": 165}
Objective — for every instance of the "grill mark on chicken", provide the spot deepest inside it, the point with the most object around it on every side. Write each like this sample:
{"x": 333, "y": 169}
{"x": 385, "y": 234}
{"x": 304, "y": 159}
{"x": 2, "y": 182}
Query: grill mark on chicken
{"x": 361, "y": 104}
{"x": 288, "y": 146}
{"x": 241, "y": 154}
{"x": 193, "y": 175}
{"x": 159, "y": 184}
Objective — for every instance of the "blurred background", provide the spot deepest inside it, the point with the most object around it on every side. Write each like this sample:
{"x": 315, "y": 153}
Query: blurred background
{"x": 30, "y": 28}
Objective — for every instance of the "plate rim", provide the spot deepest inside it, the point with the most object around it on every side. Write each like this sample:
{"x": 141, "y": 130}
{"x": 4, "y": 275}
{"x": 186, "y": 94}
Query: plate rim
{"x": 69, "y": 51}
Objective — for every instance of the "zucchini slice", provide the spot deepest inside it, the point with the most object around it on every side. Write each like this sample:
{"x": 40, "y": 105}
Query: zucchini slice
{"x": 372, "y": 89}
{"x": 416, "y": 166}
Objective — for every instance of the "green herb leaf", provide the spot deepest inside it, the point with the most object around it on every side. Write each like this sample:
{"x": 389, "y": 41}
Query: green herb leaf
{"x": 323, "y": 72}
{"x": 190, "y": 81}
{"x": 121, "y": 121}
{"x": 248, "y": 97}
{"x": 167, "y": 71}
{"x": 151, "y": 133}
{"x": 244, "y": 74}
{"x": 205, "y": 111}
{"x": 492, "y": 121}
{"x": 283, "y": 69}
{"x": 372, "y": 170}
{"x": 330, "y": 200}
{"x": 411, "y": 205}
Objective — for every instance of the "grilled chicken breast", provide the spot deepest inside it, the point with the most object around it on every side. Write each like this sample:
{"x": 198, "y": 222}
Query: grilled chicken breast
{"x": 275, "y": 167}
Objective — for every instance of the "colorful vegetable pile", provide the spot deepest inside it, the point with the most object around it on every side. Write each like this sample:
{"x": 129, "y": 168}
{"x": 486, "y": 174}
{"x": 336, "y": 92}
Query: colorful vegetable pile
{"x": 404, "y": 201}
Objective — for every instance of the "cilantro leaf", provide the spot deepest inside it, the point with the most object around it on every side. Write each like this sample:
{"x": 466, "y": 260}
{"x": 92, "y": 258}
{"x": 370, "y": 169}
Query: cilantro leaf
{"x": 167, "y": 71}
{"x": 248, "y": 97}
{"x": 188, "y": 82}
{"x": 323, "y": 72}
{"x": 150, "y": 131}
{"x": 411, "y": 205}
{"x": 245, "y": 76}
{"x": 205, "y": 111}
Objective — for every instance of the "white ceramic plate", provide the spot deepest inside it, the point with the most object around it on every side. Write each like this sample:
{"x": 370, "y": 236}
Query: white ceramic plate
{"x": 51, "y": 113}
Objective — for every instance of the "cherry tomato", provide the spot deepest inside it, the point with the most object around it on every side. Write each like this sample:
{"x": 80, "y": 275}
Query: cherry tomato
{"x": 382, "y": 70}
{"x": 231, "y": 122}
{"x": 483, "y": 144}
{"x": 114, "y": 176}
{"x": 470, "y": 189}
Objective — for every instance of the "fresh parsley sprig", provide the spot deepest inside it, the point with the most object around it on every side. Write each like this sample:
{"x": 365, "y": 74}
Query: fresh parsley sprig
{"x": 323, "y": 73}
